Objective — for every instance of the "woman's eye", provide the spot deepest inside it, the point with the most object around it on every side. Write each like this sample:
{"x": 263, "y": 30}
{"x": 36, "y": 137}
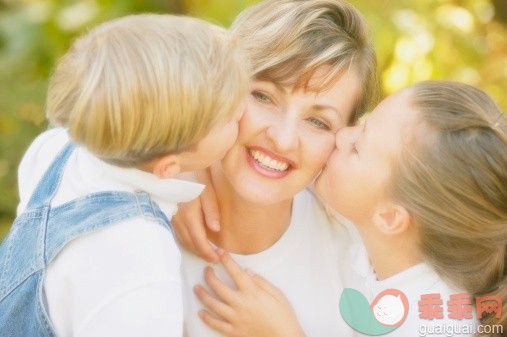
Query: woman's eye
{"x": 259, "y": 96}
{"x": 319, "y": 124}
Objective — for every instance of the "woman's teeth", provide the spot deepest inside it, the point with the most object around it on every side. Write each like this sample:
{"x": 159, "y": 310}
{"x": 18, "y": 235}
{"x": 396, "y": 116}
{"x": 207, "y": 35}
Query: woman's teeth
{"x": 268, "y": 162}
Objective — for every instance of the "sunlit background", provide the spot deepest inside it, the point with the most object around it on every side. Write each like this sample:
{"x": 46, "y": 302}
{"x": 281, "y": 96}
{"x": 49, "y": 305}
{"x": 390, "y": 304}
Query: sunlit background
{"x": 464, "y": 40}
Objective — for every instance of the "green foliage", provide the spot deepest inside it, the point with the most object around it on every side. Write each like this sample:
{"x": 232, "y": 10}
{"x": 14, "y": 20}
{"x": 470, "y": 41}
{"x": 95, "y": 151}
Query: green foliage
{"x": 440, "y": 39}
{"x": 463, "y": 40}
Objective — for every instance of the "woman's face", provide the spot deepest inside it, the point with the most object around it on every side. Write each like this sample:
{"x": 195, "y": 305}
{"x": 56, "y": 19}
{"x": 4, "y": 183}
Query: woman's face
{"x": 286, "y": 136}
{"x": 356, "y": 175}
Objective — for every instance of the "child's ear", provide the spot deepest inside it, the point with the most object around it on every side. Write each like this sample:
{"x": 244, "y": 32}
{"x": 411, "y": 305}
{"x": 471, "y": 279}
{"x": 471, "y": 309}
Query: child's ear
{"x": 167, "y": 166}
{"x": 392, "y": 219}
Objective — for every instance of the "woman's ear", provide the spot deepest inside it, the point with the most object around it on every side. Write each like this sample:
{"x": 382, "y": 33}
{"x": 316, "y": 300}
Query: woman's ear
{"x": 167, "y": 166}
{"x": 392, "y": 219}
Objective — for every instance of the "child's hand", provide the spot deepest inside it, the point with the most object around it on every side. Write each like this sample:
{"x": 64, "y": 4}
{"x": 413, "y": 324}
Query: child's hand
{"x": 191, "y": 218}
{"x": 255, "y": 309}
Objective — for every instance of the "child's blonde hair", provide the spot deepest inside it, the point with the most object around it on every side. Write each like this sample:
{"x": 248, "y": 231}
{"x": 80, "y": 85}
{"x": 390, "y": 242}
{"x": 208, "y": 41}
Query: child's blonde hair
{"x": 287, "y": 40}
{"x": 146, "y": 85}
{"x": 453, "y": 180}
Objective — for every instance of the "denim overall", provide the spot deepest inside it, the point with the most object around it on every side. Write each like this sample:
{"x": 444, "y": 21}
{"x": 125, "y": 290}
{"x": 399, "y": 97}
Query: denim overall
{"x": 41, "y": 232}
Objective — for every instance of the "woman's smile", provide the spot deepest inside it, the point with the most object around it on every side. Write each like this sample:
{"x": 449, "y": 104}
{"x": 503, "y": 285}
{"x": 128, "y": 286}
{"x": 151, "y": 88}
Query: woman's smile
{"x": 269, "y": 164}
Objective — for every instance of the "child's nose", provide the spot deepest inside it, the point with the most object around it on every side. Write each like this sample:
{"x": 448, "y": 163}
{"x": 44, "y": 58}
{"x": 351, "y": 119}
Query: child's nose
{"x": 346, "y": 135}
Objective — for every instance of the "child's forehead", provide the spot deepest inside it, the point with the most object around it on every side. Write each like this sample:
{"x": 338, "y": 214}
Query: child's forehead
{"x": 395, "y": 105}
{"x": 395, "y": 114}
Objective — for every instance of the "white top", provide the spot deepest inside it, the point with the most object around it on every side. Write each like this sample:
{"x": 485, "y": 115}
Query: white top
{"x": 357, "y": 273}
{"x": 122, "y": 280}
{"x": 312, "y": 263}
{"x": 301, "y": 263}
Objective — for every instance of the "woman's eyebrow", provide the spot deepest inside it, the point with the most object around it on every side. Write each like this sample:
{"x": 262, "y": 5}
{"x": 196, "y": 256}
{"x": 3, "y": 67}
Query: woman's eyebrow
{"x": 325, "y": 107}
{"x": 273, "y": 85}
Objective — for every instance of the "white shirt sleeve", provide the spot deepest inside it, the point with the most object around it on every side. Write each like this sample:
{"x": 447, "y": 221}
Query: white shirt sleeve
{"x": 123, "y": 280}
{"x": 36, "y": 160}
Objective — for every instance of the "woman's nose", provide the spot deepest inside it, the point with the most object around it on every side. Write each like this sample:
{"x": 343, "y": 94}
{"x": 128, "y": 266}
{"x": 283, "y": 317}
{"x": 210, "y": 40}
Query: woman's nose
{"x": 284, "y": 133}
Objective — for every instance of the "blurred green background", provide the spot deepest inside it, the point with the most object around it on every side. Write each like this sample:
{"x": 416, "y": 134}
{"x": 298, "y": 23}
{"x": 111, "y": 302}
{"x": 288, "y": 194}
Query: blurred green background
{"x": 463, "y": 40}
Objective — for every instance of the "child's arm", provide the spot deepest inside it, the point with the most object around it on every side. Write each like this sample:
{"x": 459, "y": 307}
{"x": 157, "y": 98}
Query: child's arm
{"x": 190, "y": 221}
{"x": 255, "y": 309}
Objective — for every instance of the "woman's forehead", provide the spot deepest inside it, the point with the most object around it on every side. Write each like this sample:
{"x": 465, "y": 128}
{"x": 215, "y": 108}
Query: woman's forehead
{"x": 316, "y": 79}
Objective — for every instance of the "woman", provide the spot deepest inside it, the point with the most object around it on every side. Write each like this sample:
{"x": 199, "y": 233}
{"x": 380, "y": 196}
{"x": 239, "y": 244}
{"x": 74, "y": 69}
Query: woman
{"x": 314, "y": 72}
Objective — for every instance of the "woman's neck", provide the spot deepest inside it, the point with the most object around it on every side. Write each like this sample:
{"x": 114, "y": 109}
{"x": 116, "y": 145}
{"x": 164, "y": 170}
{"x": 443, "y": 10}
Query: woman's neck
{"x": 390, "y": 255}
{"x": 246, "y": 227}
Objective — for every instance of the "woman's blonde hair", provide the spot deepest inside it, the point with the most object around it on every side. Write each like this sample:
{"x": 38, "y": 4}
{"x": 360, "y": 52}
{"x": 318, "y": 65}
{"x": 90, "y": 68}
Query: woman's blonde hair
{"x": 145, "y": 85}
{"x": 287, "y": 40}
{"x": 453, "y": 180}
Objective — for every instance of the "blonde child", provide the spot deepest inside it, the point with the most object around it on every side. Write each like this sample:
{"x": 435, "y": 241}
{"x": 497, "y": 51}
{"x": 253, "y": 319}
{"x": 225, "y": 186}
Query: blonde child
{"x": 424, "y": 181}
{"x": 135, "y": 102}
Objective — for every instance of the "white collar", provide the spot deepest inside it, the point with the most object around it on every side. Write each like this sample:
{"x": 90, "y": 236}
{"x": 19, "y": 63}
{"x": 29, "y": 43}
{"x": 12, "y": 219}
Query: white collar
{"x": 166, "y": 192}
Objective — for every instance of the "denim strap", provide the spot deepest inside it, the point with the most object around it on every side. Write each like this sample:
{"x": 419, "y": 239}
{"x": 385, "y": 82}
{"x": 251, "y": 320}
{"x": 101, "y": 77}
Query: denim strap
{"x": 48, "y": 184}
